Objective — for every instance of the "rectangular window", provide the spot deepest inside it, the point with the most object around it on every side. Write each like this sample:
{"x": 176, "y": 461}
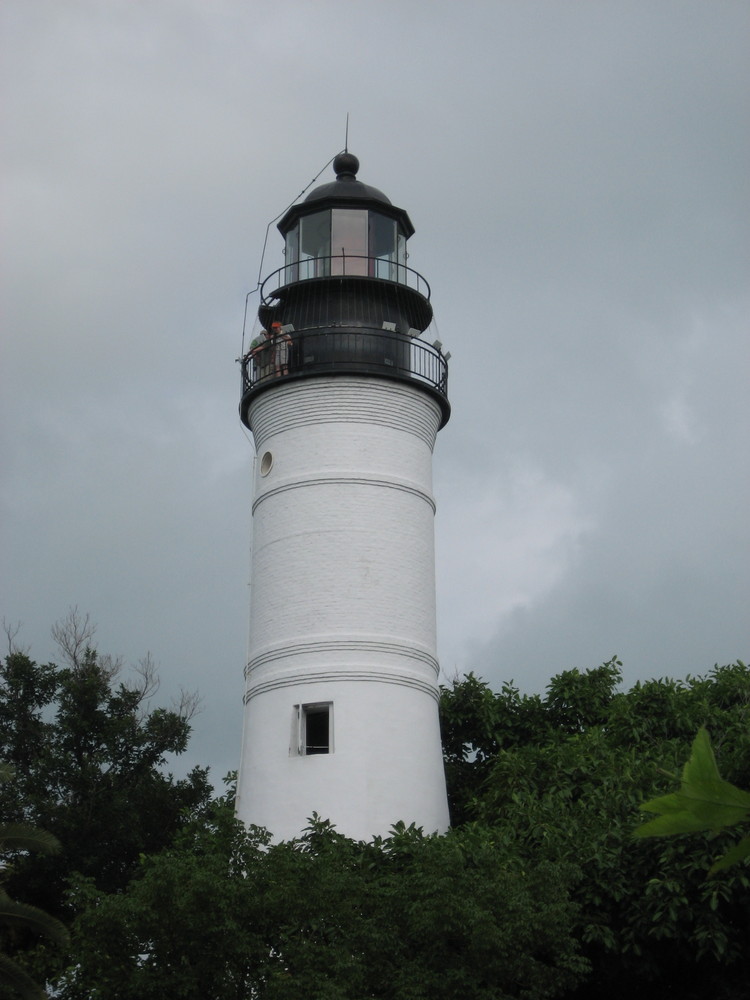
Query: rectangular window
{"x": 315, "y": 245}
{"x": 314, "y": 725}
{"x": 382, "y": 247}
{"x": 401, "y": 259}
{"x": 349, "y": 241}
{"x": 291, "y": 255}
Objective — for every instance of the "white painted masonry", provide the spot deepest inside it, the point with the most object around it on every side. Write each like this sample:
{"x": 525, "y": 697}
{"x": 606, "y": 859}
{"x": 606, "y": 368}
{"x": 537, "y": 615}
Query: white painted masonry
{"x": 343, "y": 608}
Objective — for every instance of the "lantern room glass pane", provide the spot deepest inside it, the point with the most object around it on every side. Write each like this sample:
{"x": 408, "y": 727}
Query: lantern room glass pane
{"x": 291, "y": 255}
{"x": 383, "y": 246}
{"x": 401, "y": 258}
{"x": 315, "y": 245}
{"x": 349, "y": 241}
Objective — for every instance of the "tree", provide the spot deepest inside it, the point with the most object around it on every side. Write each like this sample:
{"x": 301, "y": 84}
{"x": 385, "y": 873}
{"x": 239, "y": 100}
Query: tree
{"x": 538, "y": 891}
{"x": 88, "y": 752}
{"x": 15, "y": 916}
{"x": 564, "y": 785}
{"x": 224, "y": 915}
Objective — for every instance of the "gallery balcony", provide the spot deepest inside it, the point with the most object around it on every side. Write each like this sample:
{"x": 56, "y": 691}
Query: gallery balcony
{"x": 346, "y": 349}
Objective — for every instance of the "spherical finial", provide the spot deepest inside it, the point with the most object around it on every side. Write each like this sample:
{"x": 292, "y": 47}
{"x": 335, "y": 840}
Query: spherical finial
{"x": 346, "y": 165}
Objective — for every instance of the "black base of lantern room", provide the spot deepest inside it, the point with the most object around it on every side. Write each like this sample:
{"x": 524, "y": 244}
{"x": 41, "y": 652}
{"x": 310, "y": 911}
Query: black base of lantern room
{"x": 348, "y": 351}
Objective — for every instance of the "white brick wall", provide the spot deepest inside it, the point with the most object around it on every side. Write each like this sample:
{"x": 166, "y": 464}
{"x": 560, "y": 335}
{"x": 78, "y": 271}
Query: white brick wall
{"x": 343, "y": 607}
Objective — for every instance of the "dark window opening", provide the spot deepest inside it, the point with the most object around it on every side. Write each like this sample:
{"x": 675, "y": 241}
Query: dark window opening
{"x": 316, "y": 720}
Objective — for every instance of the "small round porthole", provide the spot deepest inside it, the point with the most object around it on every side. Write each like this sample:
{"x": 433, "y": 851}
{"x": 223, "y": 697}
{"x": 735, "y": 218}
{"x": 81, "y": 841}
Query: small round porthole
{"x": 266, "y": 463}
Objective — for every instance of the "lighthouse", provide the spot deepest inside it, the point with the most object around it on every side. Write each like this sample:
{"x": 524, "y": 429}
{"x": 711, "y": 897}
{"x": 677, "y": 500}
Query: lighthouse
{"x": 344, "y": 393}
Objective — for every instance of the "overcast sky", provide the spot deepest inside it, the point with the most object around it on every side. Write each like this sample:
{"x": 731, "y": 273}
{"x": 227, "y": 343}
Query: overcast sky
{"x": 578, "y": 176}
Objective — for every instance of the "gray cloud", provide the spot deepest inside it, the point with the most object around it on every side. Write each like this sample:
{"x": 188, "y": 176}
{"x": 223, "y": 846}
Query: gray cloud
{"x": 578, "y": 178}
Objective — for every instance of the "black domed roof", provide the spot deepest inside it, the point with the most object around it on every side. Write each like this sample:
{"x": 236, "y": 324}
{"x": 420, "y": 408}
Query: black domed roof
{"x": 346, "y": 192}
{"x": 346, "y": 184}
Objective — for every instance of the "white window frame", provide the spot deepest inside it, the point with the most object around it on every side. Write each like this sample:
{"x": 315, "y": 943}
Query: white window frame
{"x": 299, "y": 740}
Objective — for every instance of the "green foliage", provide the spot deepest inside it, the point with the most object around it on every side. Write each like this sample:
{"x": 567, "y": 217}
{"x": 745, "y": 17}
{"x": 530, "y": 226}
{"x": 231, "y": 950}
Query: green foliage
{"x": 476, "y": 724}
{"x": 539, "y": 891}
{"x": 88, "y": 757}
{"x": 15, "y": 916}
{"x": 566, "y": 789}
{"x": 88, "y": 753}
{"x": 225, "y": 915}
{"x": 705, "y": 802}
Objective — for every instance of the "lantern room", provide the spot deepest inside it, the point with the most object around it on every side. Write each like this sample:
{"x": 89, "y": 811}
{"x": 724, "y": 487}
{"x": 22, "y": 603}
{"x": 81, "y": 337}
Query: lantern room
{"x": 346, "y": 227}
{"x": 345, "y": 300}
{"x": 319, "y": 244}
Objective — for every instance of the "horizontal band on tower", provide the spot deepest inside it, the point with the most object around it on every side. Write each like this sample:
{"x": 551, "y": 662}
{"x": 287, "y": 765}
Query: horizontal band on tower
{"x": 336, "y": 676}
{"x": 392, "y": 484}
{"x": 344, "y": 645}
{"x": 345, "y": 400}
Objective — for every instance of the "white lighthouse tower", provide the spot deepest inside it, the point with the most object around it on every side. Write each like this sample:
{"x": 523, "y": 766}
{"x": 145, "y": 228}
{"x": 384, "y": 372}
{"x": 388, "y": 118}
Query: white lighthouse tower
{"x": 344, "y": 401}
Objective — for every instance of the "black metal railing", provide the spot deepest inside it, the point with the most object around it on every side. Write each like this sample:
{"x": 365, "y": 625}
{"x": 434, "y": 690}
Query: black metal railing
{"x": 367, "y": 350}
{"x": 343, "y": 265}
{"x": 345, "y": 301}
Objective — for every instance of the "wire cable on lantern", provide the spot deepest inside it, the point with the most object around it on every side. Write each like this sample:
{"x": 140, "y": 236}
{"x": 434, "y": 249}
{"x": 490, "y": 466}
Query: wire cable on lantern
{"x": 265, "y": 244}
